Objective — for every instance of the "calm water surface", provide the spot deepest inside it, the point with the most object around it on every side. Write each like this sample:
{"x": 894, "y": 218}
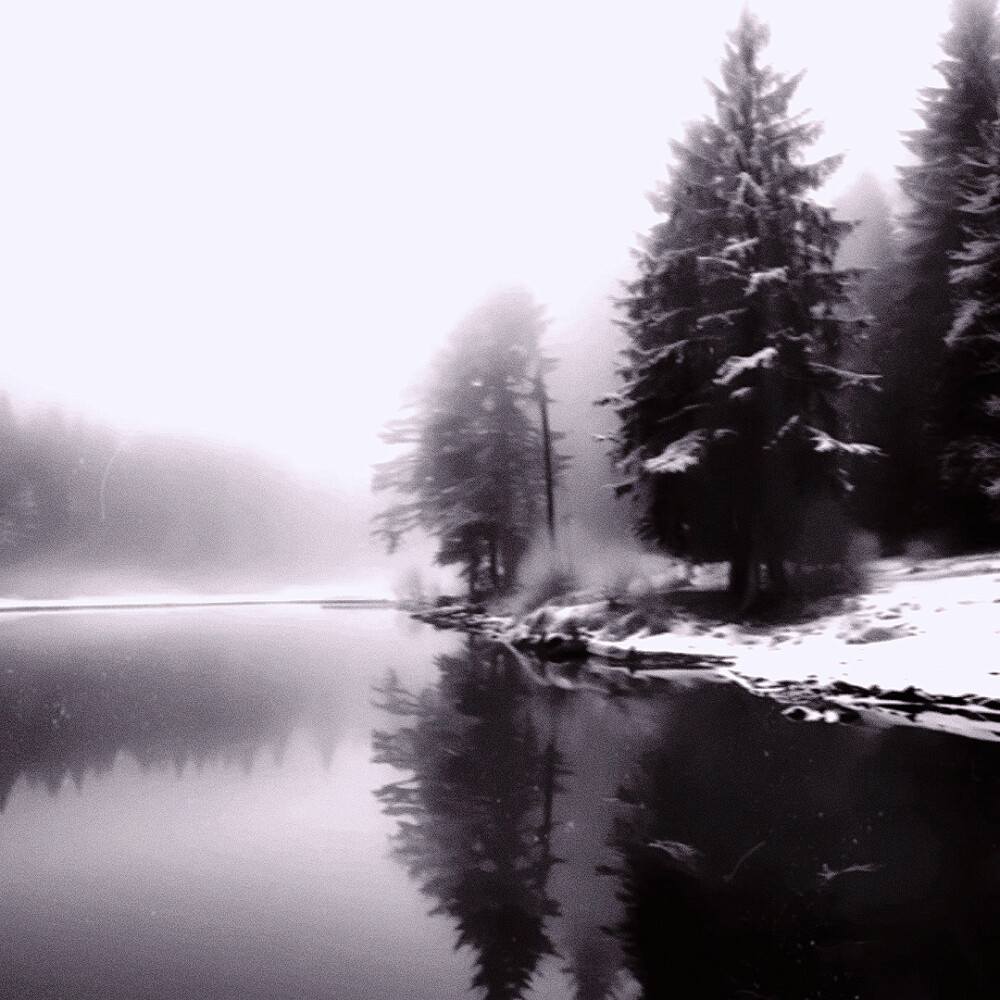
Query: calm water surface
{"x": 294, "y": 802}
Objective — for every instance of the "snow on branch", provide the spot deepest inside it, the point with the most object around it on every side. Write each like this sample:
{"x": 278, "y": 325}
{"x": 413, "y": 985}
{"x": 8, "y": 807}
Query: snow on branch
{"x": 744, "y": 184}
{"x": 772, "y": 276}
{"x": 823, "y": 442}
{"x": 727, "y": 318}
{"x": 966, "y": 317}
{"x": 847, "y": 379}
{"x": 653, "y": 356}
{"x": 735, "y": 366}
{"x": 739, "y": 247}
{"x": 679, "y": 455}
{"x": 676, "y": 350}
{"x": 682, "y": 412}
{"x": 719, "y": 262}
{"x": 662, "y": 317}
{"x": 787, "y": 428}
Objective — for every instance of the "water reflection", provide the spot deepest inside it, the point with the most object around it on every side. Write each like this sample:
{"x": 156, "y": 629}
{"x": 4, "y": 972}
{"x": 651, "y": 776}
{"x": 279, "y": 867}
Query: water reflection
{"x": 73, "y": 719}
{"x": 220, "y": 843}
{"x": 808, "y": 860}
{"x": 476, "y": 809}
{"x": 711, "y": 847}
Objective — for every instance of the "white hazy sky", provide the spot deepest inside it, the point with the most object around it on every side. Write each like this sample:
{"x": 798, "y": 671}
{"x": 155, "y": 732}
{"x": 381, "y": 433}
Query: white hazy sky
{"x": 258, "y": 220}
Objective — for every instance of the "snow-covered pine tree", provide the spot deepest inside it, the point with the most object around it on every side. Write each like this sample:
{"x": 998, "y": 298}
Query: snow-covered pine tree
{"x": 970, "y": 413}
{"x": 954, "y": 115}
{"x": 727, "y": 424}
{"x": 474, "y": 474}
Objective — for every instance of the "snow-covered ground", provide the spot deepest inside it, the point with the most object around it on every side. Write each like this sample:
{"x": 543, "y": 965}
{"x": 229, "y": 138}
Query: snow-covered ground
{"x": 922, "y": 645}
{"x": 934, "y": 627}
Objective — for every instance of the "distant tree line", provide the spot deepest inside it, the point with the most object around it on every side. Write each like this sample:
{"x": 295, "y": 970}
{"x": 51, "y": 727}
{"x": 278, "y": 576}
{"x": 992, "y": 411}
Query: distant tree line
{"x": 785, "y": 376}
{"x": 80, "y": 498}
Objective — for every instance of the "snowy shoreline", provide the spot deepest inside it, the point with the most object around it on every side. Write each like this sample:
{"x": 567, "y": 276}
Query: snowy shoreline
{"x": 922, "y": 641}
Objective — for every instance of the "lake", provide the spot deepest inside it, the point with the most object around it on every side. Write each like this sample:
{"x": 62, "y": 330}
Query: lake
{"x": 297, "y": 802}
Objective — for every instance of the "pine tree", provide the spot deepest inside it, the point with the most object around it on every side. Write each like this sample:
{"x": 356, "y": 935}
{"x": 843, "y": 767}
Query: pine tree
{"x": 727, "y": 419}
{"x": 475, "y": 474}
{"x": 970, "y": 422}
{"x": 954, "y": 116}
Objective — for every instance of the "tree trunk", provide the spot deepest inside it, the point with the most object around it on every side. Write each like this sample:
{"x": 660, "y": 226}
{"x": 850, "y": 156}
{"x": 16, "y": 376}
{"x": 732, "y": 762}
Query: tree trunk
{"x": 777, "y": 578}
{"x": 737, "y": 562}
{"x": 543, "y": 409}
{"x": 747, "y": 557}
{"x": 750, "y": 590}
{"x": 470, "y": 571}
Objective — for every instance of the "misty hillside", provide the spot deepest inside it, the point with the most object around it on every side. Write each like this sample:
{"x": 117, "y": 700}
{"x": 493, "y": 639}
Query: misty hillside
{"x": 84, "y": 508}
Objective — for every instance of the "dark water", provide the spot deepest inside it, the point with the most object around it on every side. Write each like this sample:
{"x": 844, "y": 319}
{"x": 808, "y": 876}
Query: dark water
{"x": 265, "y": 803}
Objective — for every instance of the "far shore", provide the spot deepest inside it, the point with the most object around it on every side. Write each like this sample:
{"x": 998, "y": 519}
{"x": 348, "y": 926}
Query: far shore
{"x": 8, "y": 606}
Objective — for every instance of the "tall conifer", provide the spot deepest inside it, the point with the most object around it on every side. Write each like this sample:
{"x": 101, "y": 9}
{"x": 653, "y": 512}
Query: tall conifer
{"x": 970, "y": 412}
{"x": 954, "y": 115}
{"x": 478, "y": 467}
{"x": 735, "y": 321}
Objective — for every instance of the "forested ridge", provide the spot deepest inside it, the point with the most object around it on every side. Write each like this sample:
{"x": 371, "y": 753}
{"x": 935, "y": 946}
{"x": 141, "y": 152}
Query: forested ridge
{"x": 84, "y": 502}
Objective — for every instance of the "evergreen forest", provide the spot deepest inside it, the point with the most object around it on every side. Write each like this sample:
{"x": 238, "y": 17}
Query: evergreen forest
{"x": 791, "y": 374}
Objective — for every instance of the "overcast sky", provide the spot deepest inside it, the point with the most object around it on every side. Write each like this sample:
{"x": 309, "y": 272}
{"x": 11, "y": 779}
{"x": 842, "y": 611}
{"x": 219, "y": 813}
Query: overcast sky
{"x": 257, "y": 220}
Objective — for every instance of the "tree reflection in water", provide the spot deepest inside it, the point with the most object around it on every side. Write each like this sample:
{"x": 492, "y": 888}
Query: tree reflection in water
{"x": 475, "y": 812}
{"x": 761, "y": 858}
{"x": 177, "y": 707}
{"x": 713, "y": 847}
